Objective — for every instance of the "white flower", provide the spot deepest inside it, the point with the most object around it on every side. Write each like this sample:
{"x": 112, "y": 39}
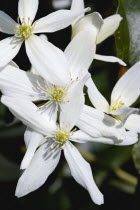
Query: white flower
{"x": 52, "y": 139}
{"x": 36, "y": 48}
{"x": 98, "y": 27}
{"x": 124, "y": 94}
{"x": 59, "y": 4}
{"x": 78, "y": 58}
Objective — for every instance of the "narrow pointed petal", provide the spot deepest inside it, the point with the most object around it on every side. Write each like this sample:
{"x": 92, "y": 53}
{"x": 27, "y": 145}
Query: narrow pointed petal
{"x": 127, "y": 89}
{"x": 77, "y": 5}
{"x": 91, "y": 23}
{"x": 29, "y": 114}
{"x": 15, "y": 82}
{"x": 34, "y": 141}
{"x": 110, "y": 25}
{"x": 72, "y": 109}
{"x": 80, "y": 56}
{"x": 7, "y": 24}
{"x": 133, "y": 123}
{"x": 27, "y": 10}
{"x": 56, "y": 21}
{"x": 81, "y": 137}
{"x": 110, "y": 59}
{"x": 97, "y": 124}
{"x": 9, "y": 48}
{"x": 96, "y": 98}
{"x": 53, "y": 68}
{"x": 42, "y": 165}
{"x": 81, "y": 172}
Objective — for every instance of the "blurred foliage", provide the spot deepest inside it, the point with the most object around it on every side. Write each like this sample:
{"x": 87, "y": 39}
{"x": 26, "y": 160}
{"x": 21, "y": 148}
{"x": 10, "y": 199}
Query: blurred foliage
{"x": 112, "y": 166}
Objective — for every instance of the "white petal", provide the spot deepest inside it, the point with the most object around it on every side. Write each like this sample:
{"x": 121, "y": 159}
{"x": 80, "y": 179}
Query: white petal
{"x": 111, "y": 59}
{"x": 53, "y": 68}
{"x": 59, "y": 4}
{"x": 56, "y": 21}
{"x": 12, "y": 63}
{"x": 9, "y": 48}
{"x": 27, "y": 9}
{"x": 81, "y": 137}
{"x": 110, "y": 25}
{"x": 96, "y": 98}
{"x": 34, "y": 141}
{"x": 72, "y": 109}
{"x": 77, "y": 5}
{"x": 15, "y": 82}
{"x": 91, "y": 23}
{"x": 133, "y": 123}
{"x": 127, "y": 89}
{"x": 42, "y": 165}
{"x": 97, "y": 124}
{"x": 80, "y": 56}
{"x": 29, "y": 114}
{"x": 7, "y": 24}
{"x": 81, "y": 172}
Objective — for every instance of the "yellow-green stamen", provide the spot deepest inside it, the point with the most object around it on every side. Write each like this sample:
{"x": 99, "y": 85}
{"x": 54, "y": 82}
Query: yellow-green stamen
{"x": 58, "y": 94}
{"x": 62, "y": 136}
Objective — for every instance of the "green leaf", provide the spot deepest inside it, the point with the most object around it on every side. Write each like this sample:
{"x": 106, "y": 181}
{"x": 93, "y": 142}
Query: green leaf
{"x": 122, "y": 35}
{"x": 128, "y": 34}
{"x": 125, "y": 187}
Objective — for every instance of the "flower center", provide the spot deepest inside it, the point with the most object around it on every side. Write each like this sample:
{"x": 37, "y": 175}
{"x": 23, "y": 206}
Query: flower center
{"x": 116, "y": 105}
{"x": 24, "y": 31}
{"x": 62, "y": 136}
{"x": 58, "y": 94}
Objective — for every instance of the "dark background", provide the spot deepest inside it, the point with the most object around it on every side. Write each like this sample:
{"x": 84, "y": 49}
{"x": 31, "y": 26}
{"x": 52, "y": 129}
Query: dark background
{"x": 70, "y": 195}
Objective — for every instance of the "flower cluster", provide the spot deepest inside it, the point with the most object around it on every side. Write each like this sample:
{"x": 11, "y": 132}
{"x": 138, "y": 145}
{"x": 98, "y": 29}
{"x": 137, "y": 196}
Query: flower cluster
{"x": 49, "y": 99}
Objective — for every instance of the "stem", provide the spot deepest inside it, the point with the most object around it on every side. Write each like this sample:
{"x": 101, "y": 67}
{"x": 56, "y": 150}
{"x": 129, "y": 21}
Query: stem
{"x": 126, "y": 176}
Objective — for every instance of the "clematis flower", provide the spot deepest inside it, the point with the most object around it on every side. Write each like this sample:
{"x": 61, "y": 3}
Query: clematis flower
{"x": 35, "y": 87}
{"x": 124, "y": 94}
{"x": 52, "y": 138}
{"x": 100, "y": 28}
{"x": 25, "y": 29}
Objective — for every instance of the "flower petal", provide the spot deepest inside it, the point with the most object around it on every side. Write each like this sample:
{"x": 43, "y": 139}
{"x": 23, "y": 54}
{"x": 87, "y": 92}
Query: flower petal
{"x": 42, "y": 165}
{"x": 127, "y": 89}
{"x": 77, "y": 5}
{"x": 72, "y": 109}
{"x": 96, "y": 98}
{"x": 110, "y": 25}
{"x": 81, "y": 172}
{"x": 7, "y": 24}
{"x": 15, "y": 82}
{"x": 53, "y": 68}
{"x": 133, "y": 123}
{"x": 97, "y": 124}
{"x": 27, "y": 9}
{"x": 91, "y": 23}
{"x": 57, "y": 20}
{"x": 9, "y": 48}
{"x": 80, "y": 56}
{"x": 34, "y": 141}
{"x": 29, "y": 114}
{"x": 81, "y": 137}
{"x": 111, "y": 59}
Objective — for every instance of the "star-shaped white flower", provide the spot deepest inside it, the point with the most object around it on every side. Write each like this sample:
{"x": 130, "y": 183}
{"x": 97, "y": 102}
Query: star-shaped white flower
{"x": 124, "y": 94}
{"x": 100, "y": 28}
{"x": 52, "y": 98}
{"x": 25, "y": 29}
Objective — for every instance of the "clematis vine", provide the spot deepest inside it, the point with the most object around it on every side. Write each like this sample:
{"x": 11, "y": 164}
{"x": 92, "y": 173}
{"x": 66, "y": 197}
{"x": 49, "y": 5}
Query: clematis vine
{"x": 124, "y": 94}
{"x": 100, "y": 28}
{"x": 25, "y": 29}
